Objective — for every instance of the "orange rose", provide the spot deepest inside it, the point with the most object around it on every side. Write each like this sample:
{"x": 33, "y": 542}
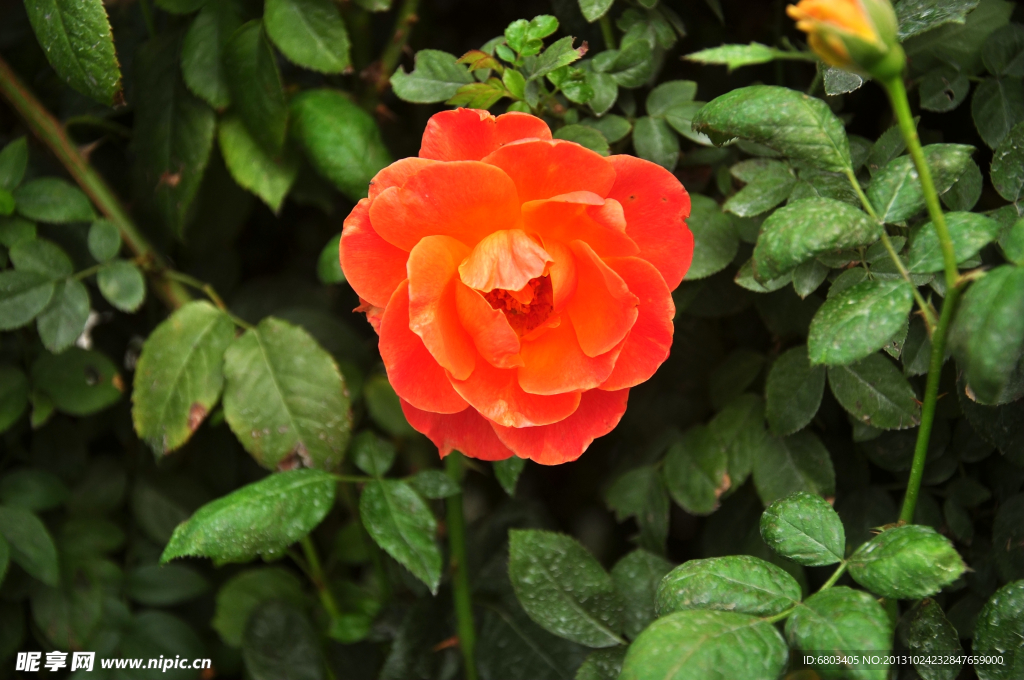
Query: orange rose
{"x": 856, "y": 35}
{"x": 520, "y": 285}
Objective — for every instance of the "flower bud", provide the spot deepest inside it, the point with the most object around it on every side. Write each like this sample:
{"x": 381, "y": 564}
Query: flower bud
{"x": 854, "y": 35}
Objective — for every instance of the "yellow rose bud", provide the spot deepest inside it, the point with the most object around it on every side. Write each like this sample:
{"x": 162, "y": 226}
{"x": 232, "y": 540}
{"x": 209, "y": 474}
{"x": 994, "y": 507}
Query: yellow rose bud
{"x": 855, "y": 35}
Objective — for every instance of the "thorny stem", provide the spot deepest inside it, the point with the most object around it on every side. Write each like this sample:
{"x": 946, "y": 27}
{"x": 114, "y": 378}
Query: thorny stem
{"x": 51, "y": 132}
{"x": 319, "y": 579}
{"x": 400, "y": 37}
{"x": 901, "y": 106}
{"x": 456, "y": 522}
{"x": 926, "y": 309}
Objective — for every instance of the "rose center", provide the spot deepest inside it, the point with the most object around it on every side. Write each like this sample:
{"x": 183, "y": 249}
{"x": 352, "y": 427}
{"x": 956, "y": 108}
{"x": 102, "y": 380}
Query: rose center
{"x": 527, "y": 308}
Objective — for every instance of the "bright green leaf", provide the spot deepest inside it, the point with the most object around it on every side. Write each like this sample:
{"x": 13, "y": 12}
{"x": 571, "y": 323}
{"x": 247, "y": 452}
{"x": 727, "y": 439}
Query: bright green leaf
{"x": 401, "y": 523}
{"x": 804, "y": 528}
{"x": 310, "y": 33}
{"x": 255, "y": 86}
{"x": 858, "y": 321}
{"x": 895, "y": 191}
{"x": 51, "y": 199}
{"x": 739, "y": 583}
{"x": 435, "y": 78}
{"x": 907, "y": 562}
{"x": 252, "y": 168}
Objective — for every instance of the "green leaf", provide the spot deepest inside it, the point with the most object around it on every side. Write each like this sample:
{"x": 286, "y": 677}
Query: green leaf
{"x": 606, "y": 91}
{"x": 858, "y": 321}
{"x": 943, "y": 89}
{"x": 807, "y": 228}
{"x": 507, "y": 472}
{"x": 179, "y": 375}
{"x": 734, "y": 375}
{"x": 1012, "y": 242}
{"x": 104, "y": 240}
{"x": 930, "y": 634}
{"x": 655, "y": 141}
{"x": 837, "y": 81}
{"x": 79, "y": 382}
{"x": 122, "y": 284}
{"x": 958, "y": 43}
{"x": 785, "y": 120}
{"x": 434, "y": 484}
{"x": 78, "y": 43}
{"x": 563, "y": 588}
{"x": 328, "y": 265}
{"x": 875, "y": 392}
{"x": 51, "y": 199}
{"x": 768, "y": 183}
{"x": 436, "y": 77}
{"x": 696, "y": 471}
{"x": 734, "y": 56}
{"x": 966, "y": 192}
{"x": 255, "y": 86}
{"x": 30, "y": 544}
{"x": 636, "y": 577}
{"x": 280, "y": 642}
{"x": 5, "y": 561}
{"x": 64, "y": 318}
{"x": 997, "y": 106}
{"x": 670, "y": 94}
{"x": 793, "y": 391}
{"x": 558, "y": 54}
{"x": 240, "y": 595}
{"x": 804, "y": 528}
{"x": 797, "y": 463}
{"x": 1008, "y": 165}
{"x": 583, "y": 135}
{"x": 373, "y": 455}
{"x": 988, "y": 332}
{"x": 13, "y": 161}
{"x": 906, "y": 563}
{"x": 32, "y": 489}
{"x": 715, "y": 240}
{"x": 41, "y": 257}
{"x": 160, "y": 585}
{"x": 202, "y": 64}
{"x": 594, "y": 9}
{"x": 385, "y": 408}
{"x": 22, "y": 296}
{"x": 641, "y": 493}
{"x": 706, "y": 645}
{"x": 180, "y": 6}
{"x": 738, "y": 429}
{"x": 738, "y": 583}
{"x": 629, "y": 67}
{"x": 1008, "y": 538}
{"x": 340, "y": 139}
{"x": 613, "y": 127}
{"x": 895, "y": 191}
{"x": 918, "y": 16}
{"x": 262, "y": 518}
{"x": 13, "y": 395}
{"x": 173, "y": 132}
{"x": 1003, "y": 51}
{"x": 402, "y": 524}
{"x": 602, "y": 664}
{"x": 996, "y": 634}
{"x": 680, "y": 117}
{"x": 310, "y": 33}
{"x": 285, "y": 399}
{"x": 250, "y": 165}
{"x": 837, "y": 621}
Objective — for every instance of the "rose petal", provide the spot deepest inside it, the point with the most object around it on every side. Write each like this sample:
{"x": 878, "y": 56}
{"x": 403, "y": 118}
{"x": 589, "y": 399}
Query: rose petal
{"x": 554, "y": 363}
{"x": 602, "y": 310}
{"x": 656, "y": 205}
{"x": 649, "y": 341}
{"x": 433, "y": 315}
{"x": 506, "y": 259}
{"x": 496, "y": 394}
{"x": 396, "y": 174}
{"x": 490, "y": 330}
{"x": 598, "y": 414}
{"x": 581, "y": 215}
{"x": 563, "y": 274}
{"x": 542, "y": 169}
{"x": 465, "y": 199}
{"x": 412, "y": 370}
{"x": 467, "y": 432}
{"x": 471, "y": 134}
{"x": 372, "y": 266}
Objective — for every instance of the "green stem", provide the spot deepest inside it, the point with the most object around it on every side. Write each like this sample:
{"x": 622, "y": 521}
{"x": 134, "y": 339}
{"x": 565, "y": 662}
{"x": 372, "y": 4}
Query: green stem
{"x": 51, "y": 132}
{"x": 607, "y": 33}
{"x": 834, "y": 577}
{"x": 901, "y": 106}
{"x": 926, "y": 309}
{"x": 316, "y": 574}
{"x": 206, "y": 288}
{"x": 780, "y": 616}
{"x": 86, "y": 273}
{"x": 399, "y": 38}
{"x": 460, "y": 577}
